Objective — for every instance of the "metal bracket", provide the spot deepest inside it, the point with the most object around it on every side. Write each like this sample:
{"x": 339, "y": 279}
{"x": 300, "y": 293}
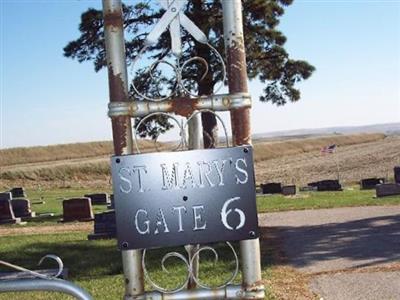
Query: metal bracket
{"x": 180, "y": 106}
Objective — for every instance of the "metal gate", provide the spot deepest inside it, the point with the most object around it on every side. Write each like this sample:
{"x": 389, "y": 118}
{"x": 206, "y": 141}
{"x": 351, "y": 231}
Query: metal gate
{"x": 122, "y": 109}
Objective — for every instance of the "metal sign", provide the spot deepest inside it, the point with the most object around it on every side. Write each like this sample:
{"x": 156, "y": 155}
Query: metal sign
{"x": 189, "y": 197}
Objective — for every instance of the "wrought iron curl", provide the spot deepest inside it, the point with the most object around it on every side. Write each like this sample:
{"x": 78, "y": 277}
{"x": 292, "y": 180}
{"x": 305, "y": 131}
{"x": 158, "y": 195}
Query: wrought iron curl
{"x": 216, "y": 115}
{"x": 182, "y": 142}
{"x": 178, "y": 69}
{"x": 36, "y": 274}
{"x": 179, "y": 287}
{"x": 190, "y": 269}
{"x": 216, "y": 258}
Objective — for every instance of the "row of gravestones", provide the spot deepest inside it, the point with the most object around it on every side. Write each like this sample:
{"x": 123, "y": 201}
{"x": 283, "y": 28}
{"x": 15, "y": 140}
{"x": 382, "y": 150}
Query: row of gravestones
{"x": 278, "y": 188}
{"x": 287, "y": 190}
{"x": 382, "y": 188}
{"x": 80, "y": 209}
{"x": 389, "y": 189}
{"x": 14, "y": 208}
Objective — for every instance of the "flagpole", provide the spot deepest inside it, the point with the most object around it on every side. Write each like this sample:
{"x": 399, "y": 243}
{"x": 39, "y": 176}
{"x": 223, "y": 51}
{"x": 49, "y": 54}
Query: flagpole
{"x": 337, "y": 165}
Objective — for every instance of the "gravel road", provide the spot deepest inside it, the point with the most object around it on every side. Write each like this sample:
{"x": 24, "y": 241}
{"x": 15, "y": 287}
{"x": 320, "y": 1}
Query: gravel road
{"x": 342, "y": 239}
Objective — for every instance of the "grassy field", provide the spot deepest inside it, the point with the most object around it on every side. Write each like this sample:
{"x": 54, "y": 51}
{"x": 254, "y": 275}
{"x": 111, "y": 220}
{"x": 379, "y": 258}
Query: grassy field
{"x": 28, "y": 155}
{"x": 96, "y": 265}
{"x": 76, "y": 165}
{"x": 268, "y": 150}
{"x": 53, "y": 203}
{"x": 352, "y": 196}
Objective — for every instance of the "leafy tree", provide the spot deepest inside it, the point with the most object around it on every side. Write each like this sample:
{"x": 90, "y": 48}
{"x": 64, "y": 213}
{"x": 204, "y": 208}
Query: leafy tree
{"x": 267, "y": 59}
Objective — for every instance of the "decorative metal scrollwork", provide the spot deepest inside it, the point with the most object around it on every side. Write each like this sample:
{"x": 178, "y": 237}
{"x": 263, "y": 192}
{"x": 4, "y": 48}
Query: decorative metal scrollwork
{"x": 173, "y": 19}
{"x": 190, "y": 274}
{"x": 36, "y": 274}
{"x": 182, "y": 126}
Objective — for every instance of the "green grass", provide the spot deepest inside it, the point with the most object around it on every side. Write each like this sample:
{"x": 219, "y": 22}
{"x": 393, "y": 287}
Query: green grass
{"x": 96, "y": 265}
{"x": 315, "y": 200}
{"x": 304, "y": 200}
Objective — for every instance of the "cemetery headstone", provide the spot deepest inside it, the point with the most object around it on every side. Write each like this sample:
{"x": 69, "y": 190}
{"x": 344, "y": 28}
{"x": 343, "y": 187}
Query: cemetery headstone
{"x": 388, "y": 189}
{"x": 18, "y": 192}
{"x": 22, "y": 208}
{"x": 112, "y": 204}
{"x": 289, "y": 190}
{"x": 5, "y": 196}
{"x": 370, "y": 183}
{"x": 6, "y": 213}
{"x": 104, "y": 226}
{"x": 77, "y": 209}
{"x": 327, "y": 185}
{"x": 308, "y": 188}
{"x": 271, "y": 188}
{"x": 99, "y": 198}
{"x": 397, "y": 174}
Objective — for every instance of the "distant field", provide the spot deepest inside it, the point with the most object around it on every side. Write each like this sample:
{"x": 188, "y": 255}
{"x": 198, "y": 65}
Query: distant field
{"x": 28, "y": 155}
{"x": 290, "y": 160}
{"x": 268, "y": 150}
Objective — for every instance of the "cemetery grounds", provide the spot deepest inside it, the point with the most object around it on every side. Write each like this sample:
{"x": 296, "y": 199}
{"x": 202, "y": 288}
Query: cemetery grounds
{"x": 96, "y": 265}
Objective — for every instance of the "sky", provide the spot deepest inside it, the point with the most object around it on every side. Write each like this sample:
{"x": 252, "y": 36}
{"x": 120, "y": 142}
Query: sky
{"x": 49, "y": 99}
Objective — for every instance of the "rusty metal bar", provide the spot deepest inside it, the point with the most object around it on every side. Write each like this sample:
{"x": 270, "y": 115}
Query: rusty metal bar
{"x": 121, "y": 125}
{"x": 180, "y": 106}
{"x": 241, "y": 131}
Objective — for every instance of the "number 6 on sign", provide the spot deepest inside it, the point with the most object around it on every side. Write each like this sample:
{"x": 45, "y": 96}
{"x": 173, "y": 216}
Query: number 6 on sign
{"x": 225, "y": 213}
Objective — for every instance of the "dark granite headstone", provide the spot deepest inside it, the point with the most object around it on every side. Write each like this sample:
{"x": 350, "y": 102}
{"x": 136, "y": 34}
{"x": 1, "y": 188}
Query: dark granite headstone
{"x": 5, "y": 196}
{"x": 388, "y": 189}
{"x": 397, "y": 174}
{"x": 370, "y": 183}
{"x": 22, "y": 208}
{"x": 271, "y": 188}
{"x": 288, "y": 190}
{"x": 6, "y": 213}
{"x": 77, "y": 209}
{"x": 18, "y": 192}
{"x": 104, "y": 226}
{"x": 326, "y": 185}
{"x": 99, "y": 198}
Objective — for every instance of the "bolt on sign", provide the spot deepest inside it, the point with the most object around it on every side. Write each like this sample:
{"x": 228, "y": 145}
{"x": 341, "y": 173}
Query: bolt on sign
{"x": 187, "y": 197}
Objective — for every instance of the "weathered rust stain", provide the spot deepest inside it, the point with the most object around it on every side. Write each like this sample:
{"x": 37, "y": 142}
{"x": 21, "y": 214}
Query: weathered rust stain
{"x": 114, "y": 19}
{"x": 241, "y": 127}
{"x": 184, "y": 106}
{"x": 237, "y": 68}
{"x": 240, "y": 118}
{"x": 120, "y": 127}
{"x": 116, "y": 86}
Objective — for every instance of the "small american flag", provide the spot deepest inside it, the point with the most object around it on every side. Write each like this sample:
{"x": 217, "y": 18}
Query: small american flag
{"x": 328, "y": 149}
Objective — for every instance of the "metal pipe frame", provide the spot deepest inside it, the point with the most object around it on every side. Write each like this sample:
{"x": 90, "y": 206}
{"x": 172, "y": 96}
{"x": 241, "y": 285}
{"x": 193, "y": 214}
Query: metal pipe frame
{"x": 50, "y": 285}
{"x": 121, "y": 125}
{"x": 230, "y": 292}
{"x": 180, "y": 106}
{"x": 241, "y": 131}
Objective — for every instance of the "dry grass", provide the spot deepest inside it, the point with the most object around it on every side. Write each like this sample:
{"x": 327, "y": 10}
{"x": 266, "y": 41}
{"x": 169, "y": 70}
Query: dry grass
{"x": 268, "y": 150}
{"x": 28, "y": 155}
{"x": 88, "y": 164}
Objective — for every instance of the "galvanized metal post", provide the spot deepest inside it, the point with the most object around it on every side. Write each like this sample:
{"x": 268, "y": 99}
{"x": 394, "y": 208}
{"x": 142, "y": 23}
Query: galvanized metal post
{"x": 241, "y": 132}
{"x": 121, "y": 125}
{"x": 195, "y": 142}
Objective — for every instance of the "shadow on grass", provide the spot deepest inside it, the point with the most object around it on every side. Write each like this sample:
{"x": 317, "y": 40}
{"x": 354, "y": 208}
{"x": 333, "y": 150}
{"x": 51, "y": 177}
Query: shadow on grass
{"x": 92, "y": 259}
